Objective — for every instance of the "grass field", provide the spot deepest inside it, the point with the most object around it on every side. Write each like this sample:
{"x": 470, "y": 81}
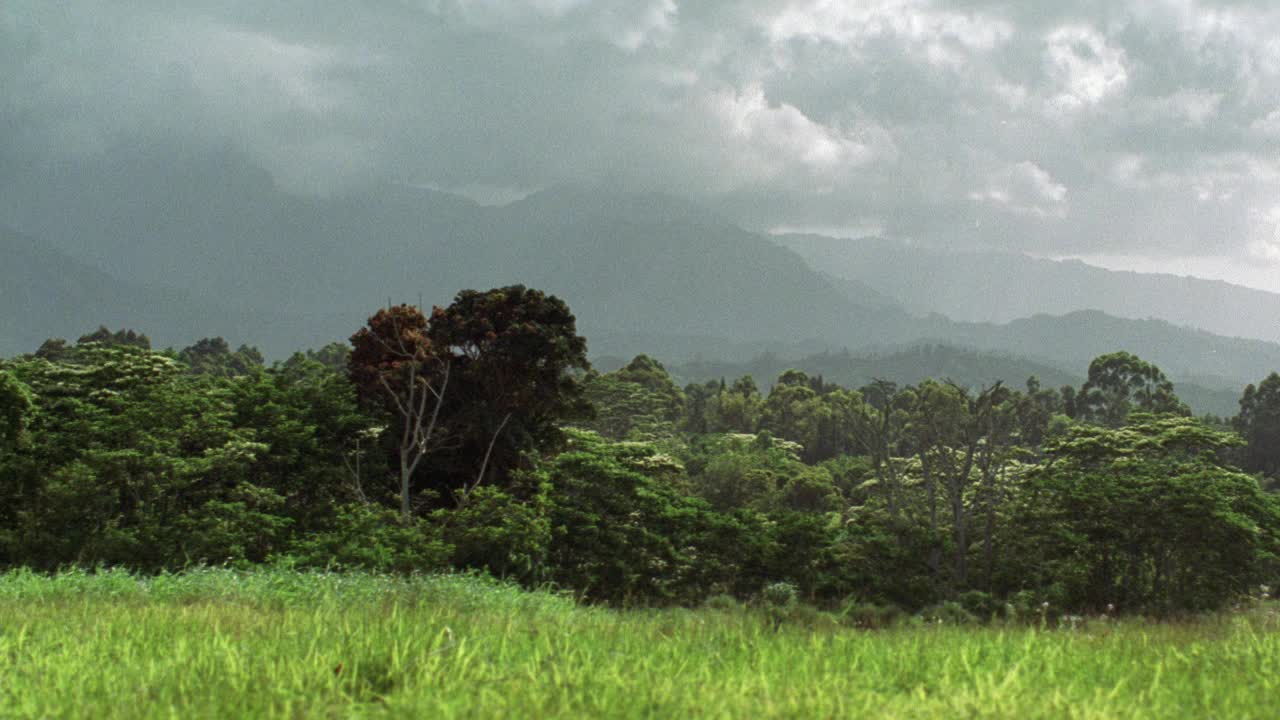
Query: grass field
{"x": 276, "y": 643}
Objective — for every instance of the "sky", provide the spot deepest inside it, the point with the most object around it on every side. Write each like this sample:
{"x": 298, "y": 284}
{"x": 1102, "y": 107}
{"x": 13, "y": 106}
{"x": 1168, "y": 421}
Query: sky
{"x": 1134, "y": 134}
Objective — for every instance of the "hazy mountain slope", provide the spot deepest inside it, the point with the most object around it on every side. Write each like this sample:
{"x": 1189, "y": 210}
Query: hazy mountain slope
{"x": 44, "y": 293}
{"x": 976, "y": 286}
{"x": 1072, "y": 340}
{"x": 644, "y": 265}
{"x": 642, "y": 272}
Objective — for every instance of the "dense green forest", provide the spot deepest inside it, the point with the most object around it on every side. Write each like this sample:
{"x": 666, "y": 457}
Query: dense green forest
{"x": 477, "y": 436}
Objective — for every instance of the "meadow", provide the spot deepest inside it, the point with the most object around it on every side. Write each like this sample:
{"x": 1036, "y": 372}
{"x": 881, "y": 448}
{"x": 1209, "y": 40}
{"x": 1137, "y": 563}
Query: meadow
{"x": 281, "y": 643}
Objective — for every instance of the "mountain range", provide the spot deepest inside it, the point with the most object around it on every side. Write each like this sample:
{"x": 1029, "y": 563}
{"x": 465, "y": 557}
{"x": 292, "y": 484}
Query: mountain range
{"x": 994, "y": 286}
{"x": 208, "y": 245}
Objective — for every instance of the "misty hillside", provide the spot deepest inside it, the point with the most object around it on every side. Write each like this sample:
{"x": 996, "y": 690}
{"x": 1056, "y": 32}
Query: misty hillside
{"x": 1071, "y": 341}
{"x": 643, "y": 273}
{"x": 44, "y": 293}
{"x": 646, "y": 265}
{"x": 989, "y": 286}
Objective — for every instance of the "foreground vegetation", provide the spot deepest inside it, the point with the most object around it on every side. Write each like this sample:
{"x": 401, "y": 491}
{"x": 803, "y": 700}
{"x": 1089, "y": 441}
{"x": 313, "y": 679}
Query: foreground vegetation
{"x": 477, "y": 437}
{"x": 281, "y": 643}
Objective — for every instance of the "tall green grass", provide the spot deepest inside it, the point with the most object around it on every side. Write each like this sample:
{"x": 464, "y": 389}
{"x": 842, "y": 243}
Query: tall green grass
{"x": 277, "y": 643}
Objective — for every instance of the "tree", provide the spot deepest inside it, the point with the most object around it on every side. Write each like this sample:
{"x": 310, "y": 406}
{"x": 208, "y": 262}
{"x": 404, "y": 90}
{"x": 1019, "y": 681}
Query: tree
{"x": 1120, "y": 383}
{"x": 1145, "y": 517}
{"x": 126, "y": 338}
{"x": 393, "y": 361}
{"x": 1259, "y": 424}
{"x": 476, "y": 384}
{"x": 639, "y": 399}
{"x": 793, "y": 410}
{"x": 735, "y": 409}
{"x": 516, "y": 361}
{"x": 879, "y": 427}
{"x": 624, "y": 533}
{"x": 15, "y": 408}
{"x": 959, "y": 440}
{"x": 133, "y": 461}
{"x": 213, "y": 356}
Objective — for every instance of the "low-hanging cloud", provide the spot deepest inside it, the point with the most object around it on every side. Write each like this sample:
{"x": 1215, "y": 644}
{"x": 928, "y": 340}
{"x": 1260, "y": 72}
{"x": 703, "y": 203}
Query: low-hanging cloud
{"x": 1143, "y": 128}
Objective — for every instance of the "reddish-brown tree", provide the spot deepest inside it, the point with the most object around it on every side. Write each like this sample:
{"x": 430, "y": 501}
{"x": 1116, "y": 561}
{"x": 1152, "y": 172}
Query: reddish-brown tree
{"x": 394, "y": 361}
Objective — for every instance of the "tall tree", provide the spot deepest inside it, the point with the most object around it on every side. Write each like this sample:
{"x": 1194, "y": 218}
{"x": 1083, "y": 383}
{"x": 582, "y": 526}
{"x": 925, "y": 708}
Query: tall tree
{"x": 639, "y": 399}
{"x": 516, "y": 360}
{"x": 393, "y": 363}
{"x": 213, "y": 356}
{"x": 1259, "y": 424}
{"x": 879, "y": 427}
{"x": 1120, "y": 383}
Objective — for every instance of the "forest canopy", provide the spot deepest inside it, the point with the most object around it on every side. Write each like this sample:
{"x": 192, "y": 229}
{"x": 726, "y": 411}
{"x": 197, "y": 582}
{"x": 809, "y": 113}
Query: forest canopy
{"x": 477, "y": 436}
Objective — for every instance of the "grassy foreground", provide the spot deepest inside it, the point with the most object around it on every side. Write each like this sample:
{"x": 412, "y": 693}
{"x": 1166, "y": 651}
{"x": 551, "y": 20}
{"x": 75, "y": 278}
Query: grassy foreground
{"x": 275, "y": 643}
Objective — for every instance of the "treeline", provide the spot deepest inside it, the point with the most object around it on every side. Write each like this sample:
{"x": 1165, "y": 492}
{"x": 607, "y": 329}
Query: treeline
{"x": 478, "y": 437}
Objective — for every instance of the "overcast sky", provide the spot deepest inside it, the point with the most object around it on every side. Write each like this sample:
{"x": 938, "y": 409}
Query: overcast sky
{"x": 1138, "y": 134}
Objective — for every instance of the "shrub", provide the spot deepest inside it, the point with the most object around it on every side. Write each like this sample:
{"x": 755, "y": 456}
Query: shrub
{"x": 871, "y": 616}
{"x": 372, "y": 538}
{"x": 948, "y": 613}
{"x": 980, "y": 604}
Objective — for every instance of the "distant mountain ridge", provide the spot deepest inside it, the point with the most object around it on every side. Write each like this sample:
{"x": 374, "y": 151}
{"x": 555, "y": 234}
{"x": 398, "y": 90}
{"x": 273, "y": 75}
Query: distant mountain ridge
{"x": 999, "y": 287}
{"x": 44, "y": 293}
{"x": 643, "y": 273}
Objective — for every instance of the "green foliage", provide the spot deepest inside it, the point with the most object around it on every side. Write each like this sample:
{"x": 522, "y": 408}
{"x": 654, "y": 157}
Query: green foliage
{"x": 621, "y": 535}
{"x": 371, "y": 538}
{"x": 275, "y": 643}
{"x": 960, "y": 501}
{"x": 213, "y": 356}
{"x": 638, "y": 401}
{"x": 1120, "y": 383}
{"x": 758, "y": 472}
{"x": 505, "y": 535}
{"x": 720, "y": 409}
{"x": 1145, "y": 517}
{"x": 15, "y": 409}
{"x": 140, "y": 464}
{"x": 1259, "y": 424}
{"x": 119, "y": 338}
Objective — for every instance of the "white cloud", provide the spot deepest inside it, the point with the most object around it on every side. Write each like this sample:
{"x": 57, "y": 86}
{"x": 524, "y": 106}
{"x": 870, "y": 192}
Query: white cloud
{"x": 1086, "y": 69}
{"x": 915, "y": 116}
{"x": 944, "y": 38}
{"x": 1268, "y": 124}
{"x": 1265, "y": 244}
{"x": 1187, "y": 106}
{"x": 766, "y": 140}
{"x": 1025, "y": 189}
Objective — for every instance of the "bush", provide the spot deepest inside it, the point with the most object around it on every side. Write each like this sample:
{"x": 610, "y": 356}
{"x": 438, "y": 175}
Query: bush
{"x": 779, "y": 595}
{"x": 372, "y": 538}
{"x": 722, "y": 602}
{"x": 870, "y": 616}
{"x": 499, "y": 533}
{"x": 980, "y": 604}
{"x": 948, "y": 613}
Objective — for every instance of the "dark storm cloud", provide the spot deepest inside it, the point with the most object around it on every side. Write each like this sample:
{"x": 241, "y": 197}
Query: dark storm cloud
{"x": 1143, "y": 128}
